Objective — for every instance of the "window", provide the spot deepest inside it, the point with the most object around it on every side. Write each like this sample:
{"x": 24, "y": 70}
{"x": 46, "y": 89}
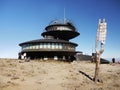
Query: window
{"x": 33, "y": 46}
{"x": 27, "y": 46}
{"x": 53, "y": 46}
{"x": 60, "y": 46}
{"x": 56, "y": 45}
{"x": 40, "y": 45}
{"x": 64, "y": 46}
{"x": 30, "y": 46}
{"x": 64, "y": 28}
{"x": 37, "y": 46}
{"x": 44, "y": 45}
{"x": 49, "y": 45}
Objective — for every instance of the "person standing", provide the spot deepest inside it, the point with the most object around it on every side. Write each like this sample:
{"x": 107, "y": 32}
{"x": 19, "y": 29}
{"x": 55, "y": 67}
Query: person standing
{"x": 113, "y": 60}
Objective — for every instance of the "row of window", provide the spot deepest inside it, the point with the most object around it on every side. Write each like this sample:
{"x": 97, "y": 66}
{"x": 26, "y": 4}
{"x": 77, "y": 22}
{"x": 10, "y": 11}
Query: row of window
{"x": 59, "y": 28}
{"x": 49, "y": 46}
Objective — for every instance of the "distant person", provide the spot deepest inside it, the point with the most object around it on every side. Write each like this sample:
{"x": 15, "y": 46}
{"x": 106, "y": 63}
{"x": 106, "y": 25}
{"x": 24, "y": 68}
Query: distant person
{"x": 19, "y": 55}
{"x": 92, "y": 59}
{"x": 113, "y": 60}
{"x": 119, "y": 62}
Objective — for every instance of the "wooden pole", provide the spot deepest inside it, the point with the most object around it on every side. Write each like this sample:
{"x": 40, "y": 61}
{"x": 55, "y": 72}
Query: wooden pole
{"x": 97, "y": 68}
{"x": 96, "y": 77}
{"x": 100, "y": 39}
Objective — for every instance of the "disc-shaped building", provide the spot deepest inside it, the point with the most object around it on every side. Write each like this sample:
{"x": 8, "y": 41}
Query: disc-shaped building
{"x": 55, "y": 43}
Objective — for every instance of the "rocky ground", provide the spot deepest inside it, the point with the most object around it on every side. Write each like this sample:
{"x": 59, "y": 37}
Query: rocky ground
{"x": 57, "y": 75}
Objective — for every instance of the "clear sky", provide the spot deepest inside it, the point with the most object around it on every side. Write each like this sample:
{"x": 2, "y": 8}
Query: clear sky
{"x": 24, "y": 20}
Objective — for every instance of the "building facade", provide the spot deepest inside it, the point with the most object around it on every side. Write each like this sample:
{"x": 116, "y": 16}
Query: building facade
{"x": 54, "y": 45}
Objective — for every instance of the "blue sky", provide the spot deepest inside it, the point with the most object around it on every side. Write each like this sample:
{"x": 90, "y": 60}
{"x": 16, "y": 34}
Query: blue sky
{"x": 24, "y": 20}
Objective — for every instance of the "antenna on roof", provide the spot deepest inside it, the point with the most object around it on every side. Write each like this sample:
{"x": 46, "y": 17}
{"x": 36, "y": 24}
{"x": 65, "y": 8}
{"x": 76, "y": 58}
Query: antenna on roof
{"x": 64, "y": 16}
{"x": 92, "y": 49}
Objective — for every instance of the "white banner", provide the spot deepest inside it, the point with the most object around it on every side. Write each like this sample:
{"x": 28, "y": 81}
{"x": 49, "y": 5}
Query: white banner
{"x": 102, "y": 32}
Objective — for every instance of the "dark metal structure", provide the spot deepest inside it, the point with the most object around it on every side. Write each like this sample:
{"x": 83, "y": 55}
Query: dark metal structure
{"x": 54, "y": 45}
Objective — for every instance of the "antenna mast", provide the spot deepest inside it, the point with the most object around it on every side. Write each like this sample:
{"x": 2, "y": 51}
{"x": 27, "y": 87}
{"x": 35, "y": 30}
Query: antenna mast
{"x": 64, "y": 16}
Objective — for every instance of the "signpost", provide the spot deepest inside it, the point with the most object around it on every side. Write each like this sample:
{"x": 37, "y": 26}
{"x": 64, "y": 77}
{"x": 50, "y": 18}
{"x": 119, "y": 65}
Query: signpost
{"x": 100, "y": 41}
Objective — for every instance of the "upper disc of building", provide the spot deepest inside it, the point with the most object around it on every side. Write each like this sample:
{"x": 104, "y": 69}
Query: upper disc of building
{"x": 61, "y": 30}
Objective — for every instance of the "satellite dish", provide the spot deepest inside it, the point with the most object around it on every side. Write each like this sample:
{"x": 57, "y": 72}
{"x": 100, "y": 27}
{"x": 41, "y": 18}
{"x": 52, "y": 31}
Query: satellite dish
{"x": 54, "y": 22}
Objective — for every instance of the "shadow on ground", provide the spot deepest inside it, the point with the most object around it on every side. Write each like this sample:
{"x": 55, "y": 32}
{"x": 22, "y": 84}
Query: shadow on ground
{"x": 83, "y": 73}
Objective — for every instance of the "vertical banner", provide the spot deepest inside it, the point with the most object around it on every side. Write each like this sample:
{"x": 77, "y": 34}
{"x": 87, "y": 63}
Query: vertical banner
{"x": 102, "y": 31}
